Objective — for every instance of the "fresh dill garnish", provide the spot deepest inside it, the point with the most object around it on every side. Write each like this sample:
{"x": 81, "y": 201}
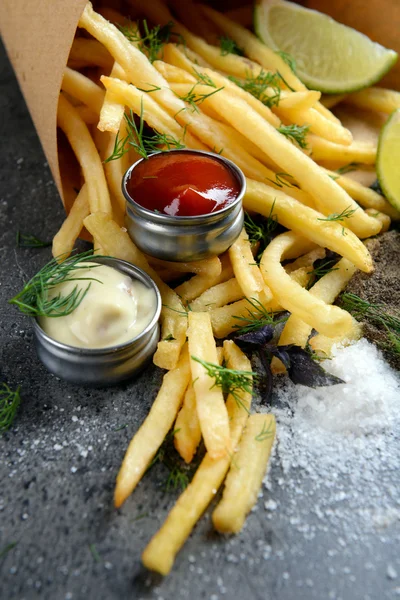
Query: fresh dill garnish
{"x": 353, "y": 166}
{"x": 295, "y": 133}
{"x": 289, "y": 60}
{"x": 194, "y": 99}
{"x": 9, "y": 403}
{"x": 261, "y": 232}
{"x": 257, "y": 86}
{"x": 229, "y": 46}
{"x": 204, "y": 78}
{"x": 179, "y": 473}
{"x": 151, "y": 42}
{"x": 266, "y": 432}
{"x": 345, "y": 214}
{"x": 280, "y": 180}
{"x": 94, "y": 552}
{"x": 35, "y": 299}
{"x": 124, "y": 426}
{"x": 142, "y": 143}
{"x": 30, "y": 241}
{"x": 375, "y": 314}
{"x": 155, "y": 88}
{"x": 169, "y": 338}
{"x": 231, "y": 381}
{"x": 257, "y": 317}
{"x": 180, "y": 312}
{"x": 324, "y": 267}
{"x": 7, "y": 549}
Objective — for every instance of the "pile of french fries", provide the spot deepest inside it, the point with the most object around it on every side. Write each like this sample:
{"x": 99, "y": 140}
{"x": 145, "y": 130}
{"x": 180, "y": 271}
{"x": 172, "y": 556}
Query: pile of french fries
{"x": 108, "y": 74}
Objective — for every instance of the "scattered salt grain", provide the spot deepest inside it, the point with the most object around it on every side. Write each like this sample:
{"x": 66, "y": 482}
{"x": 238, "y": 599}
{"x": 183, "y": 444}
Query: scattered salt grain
{"x": 391, "y": 572}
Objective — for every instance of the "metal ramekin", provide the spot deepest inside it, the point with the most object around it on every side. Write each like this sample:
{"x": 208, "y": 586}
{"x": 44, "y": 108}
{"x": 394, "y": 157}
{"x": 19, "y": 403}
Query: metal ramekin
{"x": 102, "y": 366}
{"x": 184, "y": 239}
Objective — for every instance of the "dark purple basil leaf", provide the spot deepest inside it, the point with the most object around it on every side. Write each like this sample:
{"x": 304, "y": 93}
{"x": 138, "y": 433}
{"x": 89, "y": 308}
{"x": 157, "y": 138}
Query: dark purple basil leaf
{"x": 253, "y": 340}
{"x": 304, "y": 370}
{"x": 268, "y": 379}
{"x": 280, "y": 352}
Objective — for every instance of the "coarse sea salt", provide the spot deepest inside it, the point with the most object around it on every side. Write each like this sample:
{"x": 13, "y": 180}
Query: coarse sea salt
{"x": 344, "y": 439}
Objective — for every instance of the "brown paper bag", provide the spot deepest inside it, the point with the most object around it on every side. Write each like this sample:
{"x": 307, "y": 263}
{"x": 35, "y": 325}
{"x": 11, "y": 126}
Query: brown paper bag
{"x": 38, "y": 36}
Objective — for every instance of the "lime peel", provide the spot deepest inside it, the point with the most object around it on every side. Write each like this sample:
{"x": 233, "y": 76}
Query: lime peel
{"x": 388, "y": 159}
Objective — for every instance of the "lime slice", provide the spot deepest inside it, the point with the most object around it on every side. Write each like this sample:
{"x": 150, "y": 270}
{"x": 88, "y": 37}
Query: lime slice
{"x": 330, "y": 57}
{"x": 388, "y": 159}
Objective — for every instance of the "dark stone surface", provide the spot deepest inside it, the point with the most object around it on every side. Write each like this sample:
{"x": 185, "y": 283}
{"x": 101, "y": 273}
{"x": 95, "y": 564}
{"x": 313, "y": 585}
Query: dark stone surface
{"x": 59, "y": 462}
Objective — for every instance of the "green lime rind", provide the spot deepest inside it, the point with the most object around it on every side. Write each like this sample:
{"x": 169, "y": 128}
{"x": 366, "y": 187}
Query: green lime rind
{"x": 388, "y": 159}
{"x": 330, "y": 57}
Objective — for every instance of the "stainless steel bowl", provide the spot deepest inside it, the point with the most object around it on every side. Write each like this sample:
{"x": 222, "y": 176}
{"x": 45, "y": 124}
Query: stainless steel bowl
{"x": 102, "y": 366}
{"x": 184, "y": 239}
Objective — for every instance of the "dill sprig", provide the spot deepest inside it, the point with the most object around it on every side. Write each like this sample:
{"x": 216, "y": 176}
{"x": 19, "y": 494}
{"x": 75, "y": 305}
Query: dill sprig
{"x": 94, "y": 552}
{"x": 289, "y": 60}
{"x": 151, "y": 42}
{"x": 261, "y": 232}
{"x": 30, "y": 241}
{"x": 9, "y": 403}
{"x": 257, "y": 317}
{"x": 204, "y": 78}
{"x": 194, "y": 99}
{"x": 229, "y": 46}
{"x": 144, "y": 144}
{"x": 280, "y": 180}
{"x": 345, "y": 214}
{"x": 323, "y": 268}
{"x": 257, "y": 86}
{"x": 295, "y": 133}
{"x": 179, "y": 474}
{"x": 34, "y": 299}
{"x": 265, "y": 433}
{"x": 353, "y": 166}
{"x": 231, "y": 381}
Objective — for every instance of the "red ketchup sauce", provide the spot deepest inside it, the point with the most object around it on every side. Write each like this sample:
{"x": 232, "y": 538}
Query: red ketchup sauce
{"x": 182, "y": 185}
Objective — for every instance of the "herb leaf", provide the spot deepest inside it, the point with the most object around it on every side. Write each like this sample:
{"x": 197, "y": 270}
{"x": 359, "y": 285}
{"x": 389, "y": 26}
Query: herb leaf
{"x": 9, "y": 403}
{"x": 261, "y": 232}
{"x": 152, "y": 41}
{"x": 229, "y": 46}
{"x": 257, "y": 317}
{"x": 345, "y": 214}
{"x": 266, "y": 432}
{"x": 348, "y": 168}
{"x": 30, "y": 241}
{"x": 295, "y": 133}
{"x": 289, "y": 60}
{"x": 33, "y": 300}
{"x": 195, "y": 99}
{"x": 305, "y": 371}
{"x": 257, "y": 86}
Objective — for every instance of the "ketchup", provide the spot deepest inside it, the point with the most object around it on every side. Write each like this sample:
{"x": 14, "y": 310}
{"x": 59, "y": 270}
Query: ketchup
{"x": 182, "y": 185}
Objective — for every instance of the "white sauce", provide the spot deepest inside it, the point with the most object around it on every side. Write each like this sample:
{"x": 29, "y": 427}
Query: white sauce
{"x": 115, "y": 309}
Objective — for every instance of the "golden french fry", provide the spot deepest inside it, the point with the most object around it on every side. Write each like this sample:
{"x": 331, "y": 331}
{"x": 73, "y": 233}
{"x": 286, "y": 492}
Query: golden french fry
{"x": 173, "y": 315}
{"x": 218, "y": 295}
{"x": 299, "y": 100}
{"x": 83, "y": 88}
{"x": 323, "y": 345}
{"x": 211, "y": 409}
{"x": 360, "y": 152}
{"x": 332, "y": 100}
{"x": 160, "y": 553}
{"x": 112, "y": 111}
{"x": 329, "y": 320}
{"x": 172, "y": 73}
{"x": 226, "y": 319}
{"x": 381, "y": 217}
{"x": 246, "y": 473}
{"x": 85, "y": 150}
{"x": 194, "y": 287}
{"x": 153, "y": 430}
{"x": 307, "y": 260}
{"x": 86, "y": 53}
{"x": 364, "y": 196}
{"x": 319, "y": 125}
{"x": 187, "y": 434}
{"x": 65, "y": 238}
{"x": 373, "y": 98}
{"x": 308, "y": 222}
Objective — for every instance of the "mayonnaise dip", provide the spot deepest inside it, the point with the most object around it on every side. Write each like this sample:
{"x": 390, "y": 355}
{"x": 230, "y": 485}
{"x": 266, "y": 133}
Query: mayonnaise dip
{"x": 115, "y": 309}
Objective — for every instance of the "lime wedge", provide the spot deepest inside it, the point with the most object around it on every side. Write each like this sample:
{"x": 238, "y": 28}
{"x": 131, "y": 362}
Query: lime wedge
{"x": 330, "y": 57}
{"x": 388, "y": 159}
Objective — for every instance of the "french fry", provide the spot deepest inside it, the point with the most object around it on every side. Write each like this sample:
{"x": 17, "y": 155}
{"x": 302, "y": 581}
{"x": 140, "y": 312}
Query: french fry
{"x": 172, "y": 73}
{"x": 65, "y": 238}
{"x": 86, "y": 53}
{"x": 88, "y": 116}
{"x": 307, "y": 260}
{"x": 305, "y": 171}
{"x": 246, "y": 473}
{"x": 360, "y": 152}
{"x": 194, "y": 287}
{"x": 364, "y": 196}
{"x": 377, "y": 99}
{"x": 332, "y": 100}
{"x": 218, "y": 295}
{"x": 329, "y": 320}
{"x": 173, "y": 315}
{"x": 381, "y": 217}
{"x": 317, "y": 123}
{"x": 83, "y": 88}
{"x": 187, "y": 427}
{"x": 112, "y": 111}
{"x": 153, "y": 430}
{"x": 300, "y": 101}
{"x": 323, "y": 345}
{"x": 211, "y": 409}
{"x": 308, "y": 222}
{"x": 227, "y": 318}
{"x": 83, "y": 146}
{"x": 160, "y": 553}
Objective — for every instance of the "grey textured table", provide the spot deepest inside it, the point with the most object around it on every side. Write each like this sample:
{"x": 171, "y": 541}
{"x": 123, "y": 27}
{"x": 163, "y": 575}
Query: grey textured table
{"x": 60, "y": 538}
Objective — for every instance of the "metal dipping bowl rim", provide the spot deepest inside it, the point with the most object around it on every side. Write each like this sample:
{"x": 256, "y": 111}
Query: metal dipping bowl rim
{"x": 187, "y": 220}
{"x": 135, "y": 273}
